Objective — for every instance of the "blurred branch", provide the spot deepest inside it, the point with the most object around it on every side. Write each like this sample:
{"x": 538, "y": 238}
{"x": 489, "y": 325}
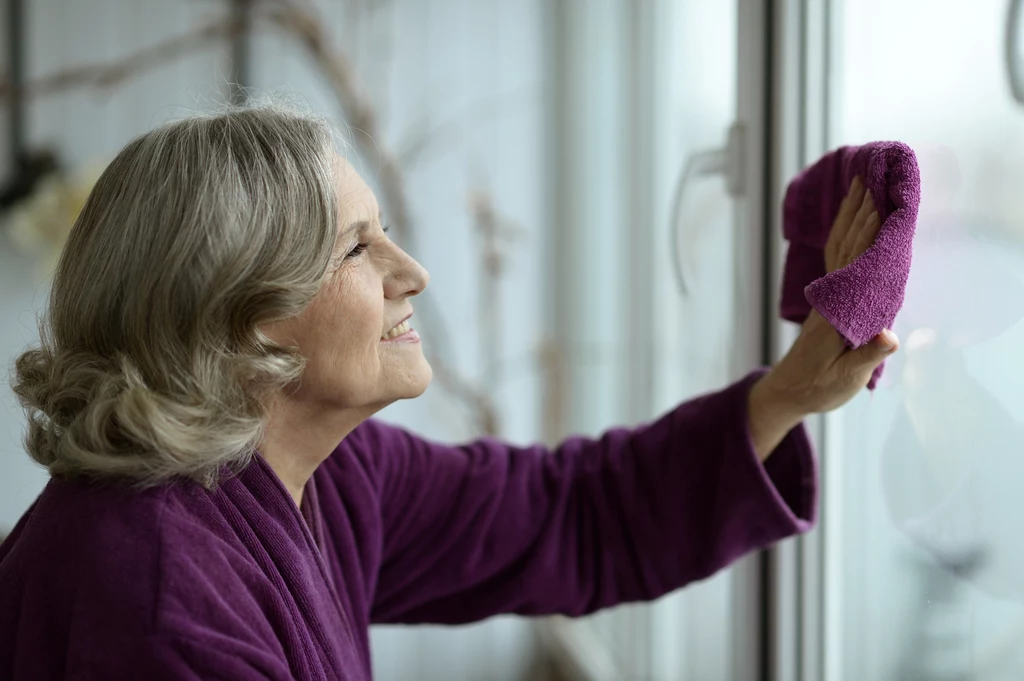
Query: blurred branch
{"x": 491, "y": 232}
{"x": 105, "y": 75}
{"x": 430, "y": 134}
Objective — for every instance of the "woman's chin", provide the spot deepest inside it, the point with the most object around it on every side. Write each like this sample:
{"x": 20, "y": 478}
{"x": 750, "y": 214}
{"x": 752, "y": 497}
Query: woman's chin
{"x": 421, "y": 381}
{"x": 415, "y": 381}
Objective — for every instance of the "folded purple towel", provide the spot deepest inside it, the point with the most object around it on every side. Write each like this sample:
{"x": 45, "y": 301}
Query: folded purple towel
{"x": 861, "y": 299}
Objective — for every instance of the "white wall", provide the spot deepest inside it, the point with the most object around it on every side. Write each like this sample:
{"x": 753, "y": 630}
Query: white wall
{"x": 471, "y": 67}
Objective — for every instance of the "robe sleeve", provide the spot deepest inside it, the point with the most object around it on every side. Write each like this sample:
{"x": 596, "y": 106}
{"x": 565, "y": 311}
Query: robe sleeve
{"x": 487, "y": 528}
{"x": 168, "y": 657}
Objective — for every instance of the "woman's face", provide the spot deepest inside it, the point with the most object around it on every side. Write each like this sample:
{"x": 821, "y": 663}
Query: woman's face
{"x": 362, "y": 353}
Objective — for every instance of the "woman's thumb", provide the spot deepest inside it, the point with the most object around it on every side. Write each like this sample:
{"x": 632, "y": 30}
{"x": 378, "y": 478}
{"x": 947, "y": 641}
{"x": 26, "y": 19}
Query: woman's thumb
{"x": 874, "y": 352}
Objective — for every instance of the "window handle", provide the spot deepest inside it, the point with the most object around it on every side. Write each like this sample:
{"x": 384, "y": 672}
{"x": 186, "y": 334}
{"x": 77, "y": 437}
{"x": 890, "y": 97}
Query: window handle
{"x": 727, "y": 161}
{"x": 1014, "y": 72}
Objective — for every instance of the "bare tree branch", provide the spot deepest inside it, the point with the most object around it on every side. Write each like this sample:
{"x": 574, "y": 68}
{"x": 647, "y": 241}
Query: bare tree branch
{"x": 105, "y": 75}
{"x": 491, "y": 335}
{"x": 429, "y": 134}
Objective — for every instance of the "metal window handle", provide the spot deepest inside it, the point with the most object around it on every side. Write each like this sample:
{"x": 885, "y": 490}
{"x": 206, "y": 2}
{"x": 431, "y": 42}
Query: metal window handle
{"x": 726, "y": 161}
{"x": 1014, "y": 72}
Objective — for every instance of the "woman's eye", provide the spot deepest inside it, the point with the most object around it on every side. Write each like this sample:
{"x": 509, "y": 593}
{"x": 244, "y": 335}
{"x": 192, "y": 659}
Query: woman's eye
{"x": 359, "y": 248}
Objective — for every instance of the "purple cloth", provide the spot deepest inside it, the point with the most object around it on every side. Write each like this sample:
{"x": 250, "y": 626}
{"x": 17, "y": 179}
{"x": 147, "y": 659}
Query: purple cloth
{"x": 98, "y": 582}
{"x": 861, "y": 299}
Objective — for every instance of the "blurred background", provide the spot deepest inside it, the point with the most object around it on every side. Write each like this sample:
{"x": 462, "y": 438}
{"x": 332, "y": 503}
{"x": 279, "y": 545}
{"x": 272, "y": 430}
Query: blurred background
{"x": 529, "y": 153}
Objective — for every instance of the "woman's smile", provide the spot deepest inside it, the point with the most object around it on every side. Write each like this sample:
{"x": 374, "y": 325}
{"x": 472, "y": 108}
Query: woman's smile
{"x": 402, "y": 333}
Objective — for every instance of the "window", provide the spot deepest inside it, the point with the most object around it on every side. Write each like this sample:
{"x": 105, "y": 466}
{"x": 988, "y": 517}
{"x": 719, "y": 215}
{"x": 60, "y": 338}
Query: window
{"x": 923, "y": 552}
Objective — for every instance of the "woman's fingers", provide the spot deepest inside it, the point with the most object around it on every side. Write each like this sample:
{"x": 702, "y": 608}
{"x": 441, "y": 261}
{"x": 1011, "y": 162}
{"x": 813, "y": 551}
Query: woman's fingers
{"x": 843, "y": 222}
{"x": 866, "y": 236}
{"x": 862, "y": 361}
{"x": 860, "y": 224}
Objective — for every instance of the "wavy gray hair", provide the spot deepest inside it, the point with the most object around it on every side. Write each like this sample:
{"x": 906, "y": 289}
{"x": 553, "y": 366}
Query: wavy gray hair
{"x": 151, "y": 364}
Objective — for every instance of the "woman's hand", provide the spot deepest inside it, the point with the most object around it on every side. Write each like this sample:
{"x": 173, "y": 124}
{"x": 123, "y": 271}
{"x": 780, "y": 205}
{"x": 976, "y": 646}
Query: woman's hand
{"x": 819, "y": 373}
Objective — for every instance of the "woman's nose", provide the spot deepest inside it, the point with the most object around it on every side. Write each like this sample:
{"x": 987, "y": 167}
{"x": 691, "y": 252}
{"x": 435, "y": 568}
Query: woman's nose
{"x": 418, "y": 276}
{"x": 409, "y": 278}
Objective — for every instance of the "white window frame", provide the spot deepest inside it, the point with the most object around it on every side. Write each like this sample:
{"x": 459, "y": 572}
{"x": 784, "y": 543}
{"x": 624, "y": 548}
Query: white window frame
{"x": 804, "y": 583}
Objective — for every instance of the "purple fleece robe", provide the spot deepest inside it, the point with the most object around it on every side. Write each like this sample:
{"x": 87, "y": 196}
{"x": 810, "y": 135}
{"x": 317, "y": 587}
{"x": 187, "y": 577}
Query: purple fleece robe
{"x": 861, "y": 299}
{"x": 98, "y": 582}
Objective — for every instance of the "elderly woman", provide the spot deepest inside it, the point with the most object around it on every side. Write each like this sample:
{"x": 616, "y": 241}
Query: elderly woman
{"x": 227, "y": 316}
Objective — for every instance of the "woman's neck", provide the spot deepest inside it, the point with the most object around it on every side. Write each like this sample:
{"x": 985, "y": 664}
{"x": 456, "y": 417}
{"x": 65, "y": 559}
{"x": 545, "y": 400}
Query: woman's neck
{"x": 298, "y": 438}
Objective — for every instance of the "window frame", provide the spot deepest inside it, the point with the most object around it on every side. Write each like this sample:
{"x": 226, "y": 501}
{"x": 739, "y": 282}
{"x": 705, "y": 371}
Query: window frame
{"x": 804, "y": 631}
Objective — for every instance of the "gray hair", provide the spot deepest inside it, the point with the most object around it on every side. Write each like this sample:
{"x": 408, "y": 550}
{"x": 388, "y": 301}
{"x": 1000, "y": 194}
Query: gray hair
{"x": 151, "y": 363}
